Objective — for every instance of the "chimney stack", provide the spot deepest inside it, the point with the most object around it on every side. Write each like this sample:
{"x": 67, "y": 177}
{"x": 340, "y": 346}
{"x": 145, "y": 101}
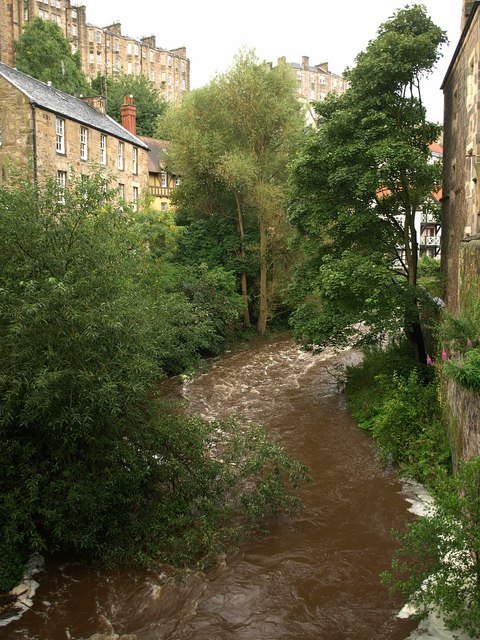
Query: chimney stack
{"x": 128, "y": 111}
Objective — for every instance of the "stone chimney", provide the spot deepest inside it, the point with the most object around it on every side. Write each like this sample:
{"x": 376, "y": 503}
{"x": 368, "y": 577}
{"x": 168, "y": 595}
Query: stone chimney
{"x": 305, "y": 63}
{"x": 128, "y": 111}
{"x": 97, "y": 102}
{"x": 115, "y": 28}
{"x": 149, "y": 41}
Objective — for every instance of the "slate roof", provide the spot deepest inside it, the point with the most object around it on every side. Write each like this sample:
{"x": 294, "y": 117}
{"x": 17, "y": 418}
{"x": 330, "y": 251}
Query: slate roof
{"x": 63, "y": 104}
{"x": 157, "y": 153}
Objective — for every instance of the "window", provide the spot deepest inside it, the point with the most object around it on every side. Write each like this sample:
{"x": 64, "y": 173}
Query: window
{"x": 129, "y": 48}
{"x": 90, "y": 35}
{"x": 60, "y": 135}
{"x": 99, "y": 37}
{"x": 135, "y": 198}
{"x": 120, "y": 156}
{"x": 135, "y": 49}
{"x": 163, "y": 178}
{"x": 74, "y": 29}
{"x": 135, "y": 161}
{"x": 116, "y": 46}
{"x": 129, "y": 67}
{"x": 103, "y": 148}
{"x": 121, "y": 191}
{"x": 99, "y": 59}
{"x": 62, "y": 185}
{"x": 92, "y": 58}
{"x": 83, "y": 143}
{"x": 169, "y": 61}
{"x": 152, "y": 56}
{"x": 177, "y": 181}
{"x": 163, "y": 206}
{"x": 74, "y": 14}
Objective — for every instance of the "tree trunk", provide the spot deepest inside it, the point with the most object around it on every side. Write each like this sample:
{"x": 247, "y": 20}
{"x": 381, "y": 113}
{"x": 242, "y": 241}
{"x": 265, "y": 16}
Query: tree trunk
{"x": 262, "y": 302}
{"x": 413, "y": 330}
{"x": 243, "y": 275}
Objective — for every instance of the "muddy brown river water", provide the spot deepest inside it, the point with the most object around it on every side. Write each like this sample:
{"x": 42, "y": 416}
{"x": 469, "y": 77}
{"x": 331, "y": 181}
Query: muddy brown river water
{"x": 315, "y": 576}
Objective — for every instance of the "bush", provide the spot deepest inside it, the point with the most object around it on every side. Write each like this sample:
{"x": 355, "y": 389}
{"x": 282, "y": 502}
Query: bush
{"x": 438, "y": 562}
{"x": 91, "y": 463}
{"x": 397, "y": 401}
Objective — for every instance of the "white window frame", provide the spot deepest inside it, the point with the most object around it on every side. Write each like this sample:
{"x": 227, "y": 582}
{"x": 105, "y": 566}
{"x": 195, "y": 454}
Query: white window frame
{"x": 103, "y": 149}
{"x": 83, "y": 143}
{"x": 120, "y": 156}
{"x": 135, "y": 161}
{"x": 62, "y": 185}
{"x": 60, "y": 135}
{"x": 163, "y": 180}
{"x": 121, "y": 191}
{"x": 135, "y": 198}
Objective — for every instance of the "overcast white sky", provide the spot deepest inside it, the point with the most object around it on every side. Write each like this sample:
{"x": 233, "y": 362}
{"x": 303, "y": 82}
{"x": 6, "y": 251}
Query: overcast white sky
{"x": 213, "y": 31}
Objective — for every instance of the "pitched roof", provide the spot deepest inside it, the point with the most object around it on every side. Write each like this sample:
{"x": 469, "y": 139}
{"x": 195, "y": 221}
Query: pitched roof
{"x": 156, "y": 154}
{"x": 51, "y": 99}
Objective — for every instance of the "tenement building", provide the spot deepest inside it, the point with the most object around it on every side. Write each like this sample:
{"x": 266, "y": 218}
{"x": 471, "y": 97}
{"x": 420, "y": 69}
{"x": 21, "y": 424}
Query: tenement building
{"x": 315, "y": 82}
{"x": 461, "y": 197}
{"x": 103, "y": 50}
{"x": 46, "y": 132}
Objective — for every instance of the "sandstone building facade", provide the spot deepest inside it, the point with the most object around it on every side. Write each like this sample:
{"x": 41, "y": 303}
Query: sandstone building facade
{"x": 461, "y": 168}
{"x": 315, "y": 82}
{"x": 103, "y": 50}
{"x": 46, "y": 132}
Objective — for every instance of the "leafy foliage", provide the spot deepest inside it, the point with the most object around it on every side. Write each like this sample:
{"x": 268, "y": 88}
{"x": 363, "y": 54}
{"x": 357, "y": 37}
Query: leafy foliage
{"x": 357, "y": 184}
{"x": 397, "y": 401}
{"x": 438, "y": 563}
{"x": 231, "y": 142}
{"x": 92, "y": 463}
{"x": 42, "y": 51}
{"x": 150, "y": 105}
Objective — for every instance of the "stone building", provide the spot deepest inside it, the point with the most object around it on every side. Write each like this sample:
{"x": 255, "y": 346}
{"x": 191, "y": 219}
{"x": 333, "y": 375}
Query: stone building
{"x": 461, "y": 197}
{"x": 103, "y": 50}
{"x": 162, "y": 182}
{"x": 46, "y": 132}
{"x": 315, "y": 82}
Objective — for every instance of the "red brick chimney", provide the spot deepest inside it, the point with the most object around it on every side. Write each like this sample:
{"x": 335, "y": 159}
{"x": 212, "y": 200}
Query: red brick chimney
{"x": 128, "y": 111}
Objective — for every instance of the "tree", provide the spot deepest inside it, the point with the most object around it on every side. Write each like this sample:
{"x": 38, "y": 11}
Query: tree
{"x": 438, "y": 563}
{"x": 148, "y": 101}
{"x": 93, "y": 463}
{"x": 231, "y": 142}
{"x": 43, "y": 52}
{"x": 357, "y": 186}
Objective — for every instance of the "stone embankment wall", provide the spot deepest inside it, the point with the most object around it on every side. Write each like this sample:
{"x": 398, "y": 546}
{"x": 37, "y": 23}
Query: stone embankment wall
{"x": 462, "y": 405}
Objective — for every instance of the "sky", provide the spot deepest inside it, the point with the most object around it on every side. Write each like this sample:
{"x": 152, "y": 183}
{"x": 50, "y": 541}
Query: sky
{"x": 214, "y": 31}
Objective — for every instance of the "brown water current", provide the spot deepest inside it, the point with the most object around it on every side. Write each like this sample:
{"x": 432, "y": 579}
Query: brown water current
{"x": 315, "y": 576}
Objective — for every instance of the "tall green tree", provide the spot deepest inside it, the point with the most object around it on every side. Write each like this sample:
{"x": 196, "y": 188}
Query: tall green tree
{"x": 357, "y": 186}
{"x": 43, "y": 52}
{"x": 231, "y": 143}
{"x": 150, "y": 105}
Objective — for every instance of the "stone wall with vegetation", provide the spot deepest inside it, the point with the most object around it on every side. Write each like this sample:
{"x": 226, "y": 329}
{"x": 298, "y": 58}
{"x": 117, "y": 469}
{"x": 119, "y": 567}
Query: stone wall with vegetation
{"x": 463, "y": 405}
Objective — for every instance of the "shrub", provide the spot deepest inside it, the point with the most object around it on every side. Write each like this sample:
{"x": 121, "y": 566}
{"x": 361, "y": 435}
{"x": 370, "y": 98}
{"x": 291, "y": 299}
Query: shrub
{"x": 438, "y": 562}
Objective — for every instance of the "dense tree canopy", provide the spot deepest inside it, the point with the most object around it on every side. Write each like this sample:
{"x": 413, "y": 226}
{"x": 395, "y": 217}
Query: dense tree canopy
{"x": 148, "y": 101}
{"x": 92, "y": 461}
{"x": 231, "y": 142}
{"x": 43, "y": 52}
{"x": 357, "y": 186}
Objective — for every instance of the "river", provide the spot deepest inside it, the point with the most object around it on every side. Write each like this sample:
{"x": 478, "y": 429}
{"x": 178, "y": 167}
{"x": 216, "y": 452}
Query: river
{"x": 315, "y": 576}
